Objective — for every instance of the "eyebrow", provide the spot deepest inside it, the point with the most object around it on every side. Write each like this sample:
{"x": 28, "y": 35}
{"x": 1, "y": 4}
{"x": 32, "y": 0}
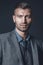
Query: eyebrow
{"x": 25, "y": 15}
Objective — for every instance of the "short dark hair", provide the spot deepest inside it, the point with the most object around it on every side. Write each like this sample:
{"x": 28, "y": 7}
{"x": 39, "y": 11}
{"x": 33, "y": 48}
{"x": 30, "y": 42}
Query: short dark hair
{"x": 23, "y": 5}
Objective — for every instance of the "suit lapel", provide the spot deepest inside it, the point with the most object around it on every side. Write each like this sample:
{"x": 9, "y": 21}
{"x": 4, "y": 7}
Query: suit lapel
{"x": 14, "y": 40}
{"x": 34, "y": 53}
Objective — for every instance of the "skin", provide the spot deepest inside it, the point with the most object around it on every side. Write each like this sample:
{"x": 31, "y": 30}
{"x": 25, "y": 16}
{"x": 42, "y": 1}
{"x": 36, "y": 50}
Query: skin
{"x": 22, "y": 19}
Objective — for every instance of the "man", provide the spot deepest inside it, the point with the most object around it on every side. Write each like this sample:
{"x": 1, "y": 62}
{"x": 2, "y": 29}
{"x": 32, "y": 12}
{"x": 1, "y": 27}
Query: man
{"x": 18, "y": 47}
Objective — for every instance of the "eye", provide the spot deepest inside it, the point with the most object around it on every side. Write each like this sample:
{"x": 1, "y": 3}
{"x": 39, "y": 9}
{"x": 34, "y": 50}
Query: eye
{"x": 28, "y": 16}
{"x": 20, "y": 16}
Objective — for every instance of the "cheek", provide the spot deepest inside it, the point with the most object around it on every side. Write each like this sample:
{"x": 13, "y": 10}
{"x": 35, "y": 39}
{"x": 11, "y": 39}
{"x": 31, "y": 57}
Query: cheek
{"x": 29, "y": 20}
{"x": 18, "y": 20}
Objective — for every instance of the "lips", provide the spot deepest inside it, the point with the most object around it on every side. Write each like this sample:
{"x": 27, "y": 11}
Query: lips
{"x": 23, "y": 24}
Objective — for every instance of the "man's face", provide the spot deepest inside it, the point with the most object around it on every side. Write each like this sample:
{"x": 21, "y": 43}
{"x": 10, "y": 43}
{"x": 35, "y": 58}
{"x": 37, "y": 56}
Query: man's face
{"x": 22, "y": 19}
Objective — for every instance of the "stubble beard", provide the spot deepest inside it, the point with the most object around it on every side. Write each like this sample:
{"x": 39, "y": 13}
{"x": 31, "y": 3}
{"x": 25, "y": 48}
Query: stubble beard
{"x": 23, "y": 30}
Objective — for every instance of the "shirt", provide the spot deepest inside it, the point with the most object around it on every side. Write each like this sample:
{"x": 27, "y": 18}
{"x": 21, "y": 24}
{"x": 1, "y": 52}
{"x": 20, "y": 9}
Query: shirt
{"x": 24, "y": 52}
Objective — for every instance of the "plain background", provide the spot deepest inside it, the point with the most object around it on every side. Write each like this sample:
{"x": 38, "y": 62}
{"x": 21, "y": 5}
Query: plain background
{"x": 6, "y": 22}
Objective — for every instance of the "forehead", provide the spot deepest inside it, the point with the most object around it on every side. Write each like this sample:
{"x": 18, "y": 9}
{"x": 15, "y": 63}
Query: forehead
{"x": 22, "y": 11}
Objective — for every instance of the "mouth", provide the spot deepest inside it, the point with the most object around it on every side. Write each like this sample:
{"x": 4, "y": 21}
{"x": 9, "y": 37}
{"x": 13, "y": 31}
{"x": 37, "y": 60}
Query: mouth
{"x": 23, "y": 24}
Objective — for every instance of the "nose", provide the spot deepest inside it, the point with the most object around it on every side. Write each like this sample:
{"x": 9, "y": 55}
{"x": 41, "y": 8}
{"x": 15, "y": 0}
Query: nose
{"x": 24, "y": 19}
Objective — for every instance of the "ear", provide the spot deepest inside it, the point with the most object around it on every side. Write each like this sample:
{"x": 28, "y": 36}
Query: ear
{"x": 13, "y": 18}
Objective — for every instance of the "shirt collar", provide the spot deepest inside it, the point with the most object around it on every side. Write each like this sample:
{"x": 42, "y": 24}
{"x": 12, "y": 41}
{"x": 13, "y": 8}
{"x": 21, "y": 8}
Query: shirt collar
{"x": 19, "y": 38}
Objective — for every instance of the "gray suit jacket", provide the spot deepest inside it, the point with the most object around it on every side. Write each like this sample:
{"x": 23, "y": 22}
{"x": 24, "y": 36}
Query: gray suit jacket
{"x": 10, "y": 51}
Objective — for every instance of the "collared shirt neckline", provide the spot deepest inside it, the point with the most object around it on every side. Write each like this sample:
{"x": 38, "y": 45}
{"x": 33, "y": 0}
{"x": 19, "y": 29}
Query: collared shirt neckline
{"x": 19, "y": 38}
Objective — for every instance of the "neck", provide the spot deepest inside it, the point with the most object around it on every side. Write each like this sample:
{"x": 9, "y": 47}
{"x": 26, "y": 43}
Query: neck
{"x": 22, "y": 34}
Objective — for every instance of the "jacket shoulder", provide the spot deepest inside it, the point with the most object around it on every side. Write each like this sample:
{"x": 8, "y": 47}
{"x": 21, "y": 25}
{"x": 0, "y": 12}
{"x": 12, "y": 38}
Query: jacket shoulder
{"x": 38, "y": 42}
{"x": 4, "y": 35}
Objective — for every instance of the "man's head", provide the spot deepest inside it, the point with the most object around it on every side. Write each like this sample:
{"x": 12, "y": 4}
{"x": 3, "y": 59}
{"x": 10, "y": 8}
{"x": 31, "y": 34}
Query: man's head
{"x": 22, "y": 16}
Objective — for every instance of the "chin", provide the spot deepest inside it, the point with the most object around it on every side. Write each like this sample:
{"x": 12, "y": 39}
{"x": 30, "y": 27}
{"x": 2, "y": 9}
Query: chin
{"x": 24, "y": 30}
